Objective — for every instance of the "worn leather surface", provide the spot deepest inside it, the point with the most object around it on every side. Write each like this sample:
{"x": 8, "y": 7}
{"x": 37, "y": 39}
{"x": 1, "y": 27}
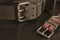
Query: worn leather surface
{"x": 12, "y": 30}
{"x": 7, "y": 12}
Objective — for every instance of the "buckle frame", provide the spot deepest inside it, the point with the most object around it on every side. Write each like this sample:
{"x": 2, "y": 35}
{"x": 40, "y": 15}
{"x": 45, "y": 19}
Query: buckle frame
{"x": 44, "y": 31}
{"x": 20, "y": 16}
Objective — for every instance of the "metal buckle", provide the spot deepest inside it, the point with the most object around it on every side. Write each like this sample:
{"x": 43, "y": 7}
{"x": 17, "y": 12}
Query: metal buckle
{"x": 45, "y": 31}
{"x": 29, "y": 10}
{"x": 20, "y": 16}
